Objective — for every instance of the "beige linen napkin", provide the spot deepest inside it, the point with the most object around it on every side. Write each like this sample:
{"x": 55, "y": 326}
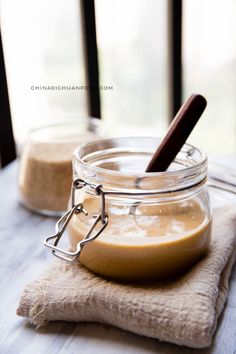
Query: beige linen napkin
{"x": 184, "y": 311}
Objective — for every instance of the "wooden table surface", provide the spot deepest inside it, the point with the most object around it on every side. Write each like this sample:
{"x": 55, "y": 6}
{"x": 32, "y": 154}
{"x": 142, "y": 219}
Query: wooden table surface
{"x": 24, "y": 257}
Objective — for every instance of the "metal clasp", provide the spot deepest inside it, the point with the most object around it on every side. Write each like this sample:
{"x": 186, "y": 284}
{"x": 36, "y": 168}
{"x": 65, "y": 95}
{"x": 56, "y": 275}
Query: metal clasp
{"x": 65, "y": 219}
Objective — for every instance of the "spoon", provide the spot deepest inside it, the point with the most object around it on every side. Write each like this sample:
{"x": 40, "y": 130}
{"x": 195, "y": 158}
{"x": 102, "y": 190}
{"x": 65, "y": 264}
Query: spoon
{"x": 178, "y": 132}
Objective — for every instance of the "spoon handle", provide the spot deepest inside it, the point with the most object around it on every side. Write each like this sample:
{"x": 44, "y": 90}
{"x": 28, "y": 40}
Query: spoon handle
{"x": 177, "y": 134}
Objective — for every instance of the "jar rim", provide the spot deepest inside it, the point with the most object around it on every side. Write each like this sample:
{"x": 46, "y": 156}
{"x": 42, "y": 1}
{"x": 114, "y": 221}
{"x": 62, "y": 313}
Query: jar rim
{"x": 86, "y": 121}
{"x": 77, "y": 155}
{"x": 134, "y": 151}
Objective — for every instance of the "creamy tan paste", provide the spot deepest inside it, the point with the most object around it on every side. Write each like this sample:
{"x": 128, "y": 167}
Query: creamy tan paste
{"x": 158, "y": 242}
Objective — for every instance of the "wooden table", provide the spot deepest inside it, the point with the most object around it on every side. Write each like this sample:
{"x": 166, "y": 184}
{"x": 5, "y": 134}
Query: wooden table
{"x": 23, "y": 258}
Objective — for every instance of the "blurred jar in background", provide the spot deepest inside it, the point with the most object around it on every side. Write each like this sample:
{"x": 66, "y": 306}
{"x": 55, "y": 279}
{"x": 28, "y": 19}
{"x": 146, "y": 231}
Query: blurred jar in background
{"x": 45, "y": 173}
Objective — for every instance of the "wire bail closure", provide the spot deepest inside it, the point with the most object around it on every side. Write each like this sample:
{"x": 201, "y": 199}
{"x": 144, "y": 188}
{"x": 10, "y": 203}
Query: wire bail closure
{"x": 63, "y": 222}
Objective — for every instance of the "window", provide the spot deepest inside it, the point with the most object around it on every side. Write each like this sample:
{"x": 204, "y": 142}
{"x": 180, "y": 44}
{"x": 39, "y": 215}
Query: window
{"x": 209, "y": 65}
{"x": 132, "y": 47}
{"x": 43, "y": 47}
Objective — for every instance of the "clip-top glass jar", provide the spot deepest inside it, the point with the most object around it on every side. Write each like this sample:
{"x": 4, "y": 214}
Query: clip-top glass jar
{"x": 130, "y": 225}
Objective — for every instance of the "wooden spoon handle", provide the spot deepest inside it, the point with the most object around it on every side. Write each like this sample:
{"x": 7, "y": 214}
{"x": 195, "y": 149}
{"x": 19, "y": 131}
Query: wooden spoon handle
{"x": 177, "y": 134}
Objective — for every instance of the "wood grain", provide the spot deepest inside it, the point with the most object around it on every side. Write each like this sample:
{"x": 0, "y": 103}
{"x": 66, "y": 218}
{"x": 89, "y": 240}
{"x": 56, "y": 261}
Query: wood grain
{"x": 23, "y": 258}
{"x": 177, "y": 134}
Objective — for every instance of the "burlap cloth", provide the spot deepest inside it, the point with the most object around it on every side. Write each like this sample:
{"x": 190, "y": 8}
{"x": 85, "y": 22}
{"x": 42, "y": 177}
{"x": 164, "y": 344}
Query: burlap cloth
{"x": 184, "y": 311}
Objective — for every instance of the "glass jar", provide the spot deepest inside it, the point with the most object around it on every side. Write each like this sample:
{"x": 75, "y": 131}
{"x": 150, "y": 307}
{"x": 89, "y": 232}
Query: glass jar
{"x": 45, "y": 173}
{"x": 130, "y": 225}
